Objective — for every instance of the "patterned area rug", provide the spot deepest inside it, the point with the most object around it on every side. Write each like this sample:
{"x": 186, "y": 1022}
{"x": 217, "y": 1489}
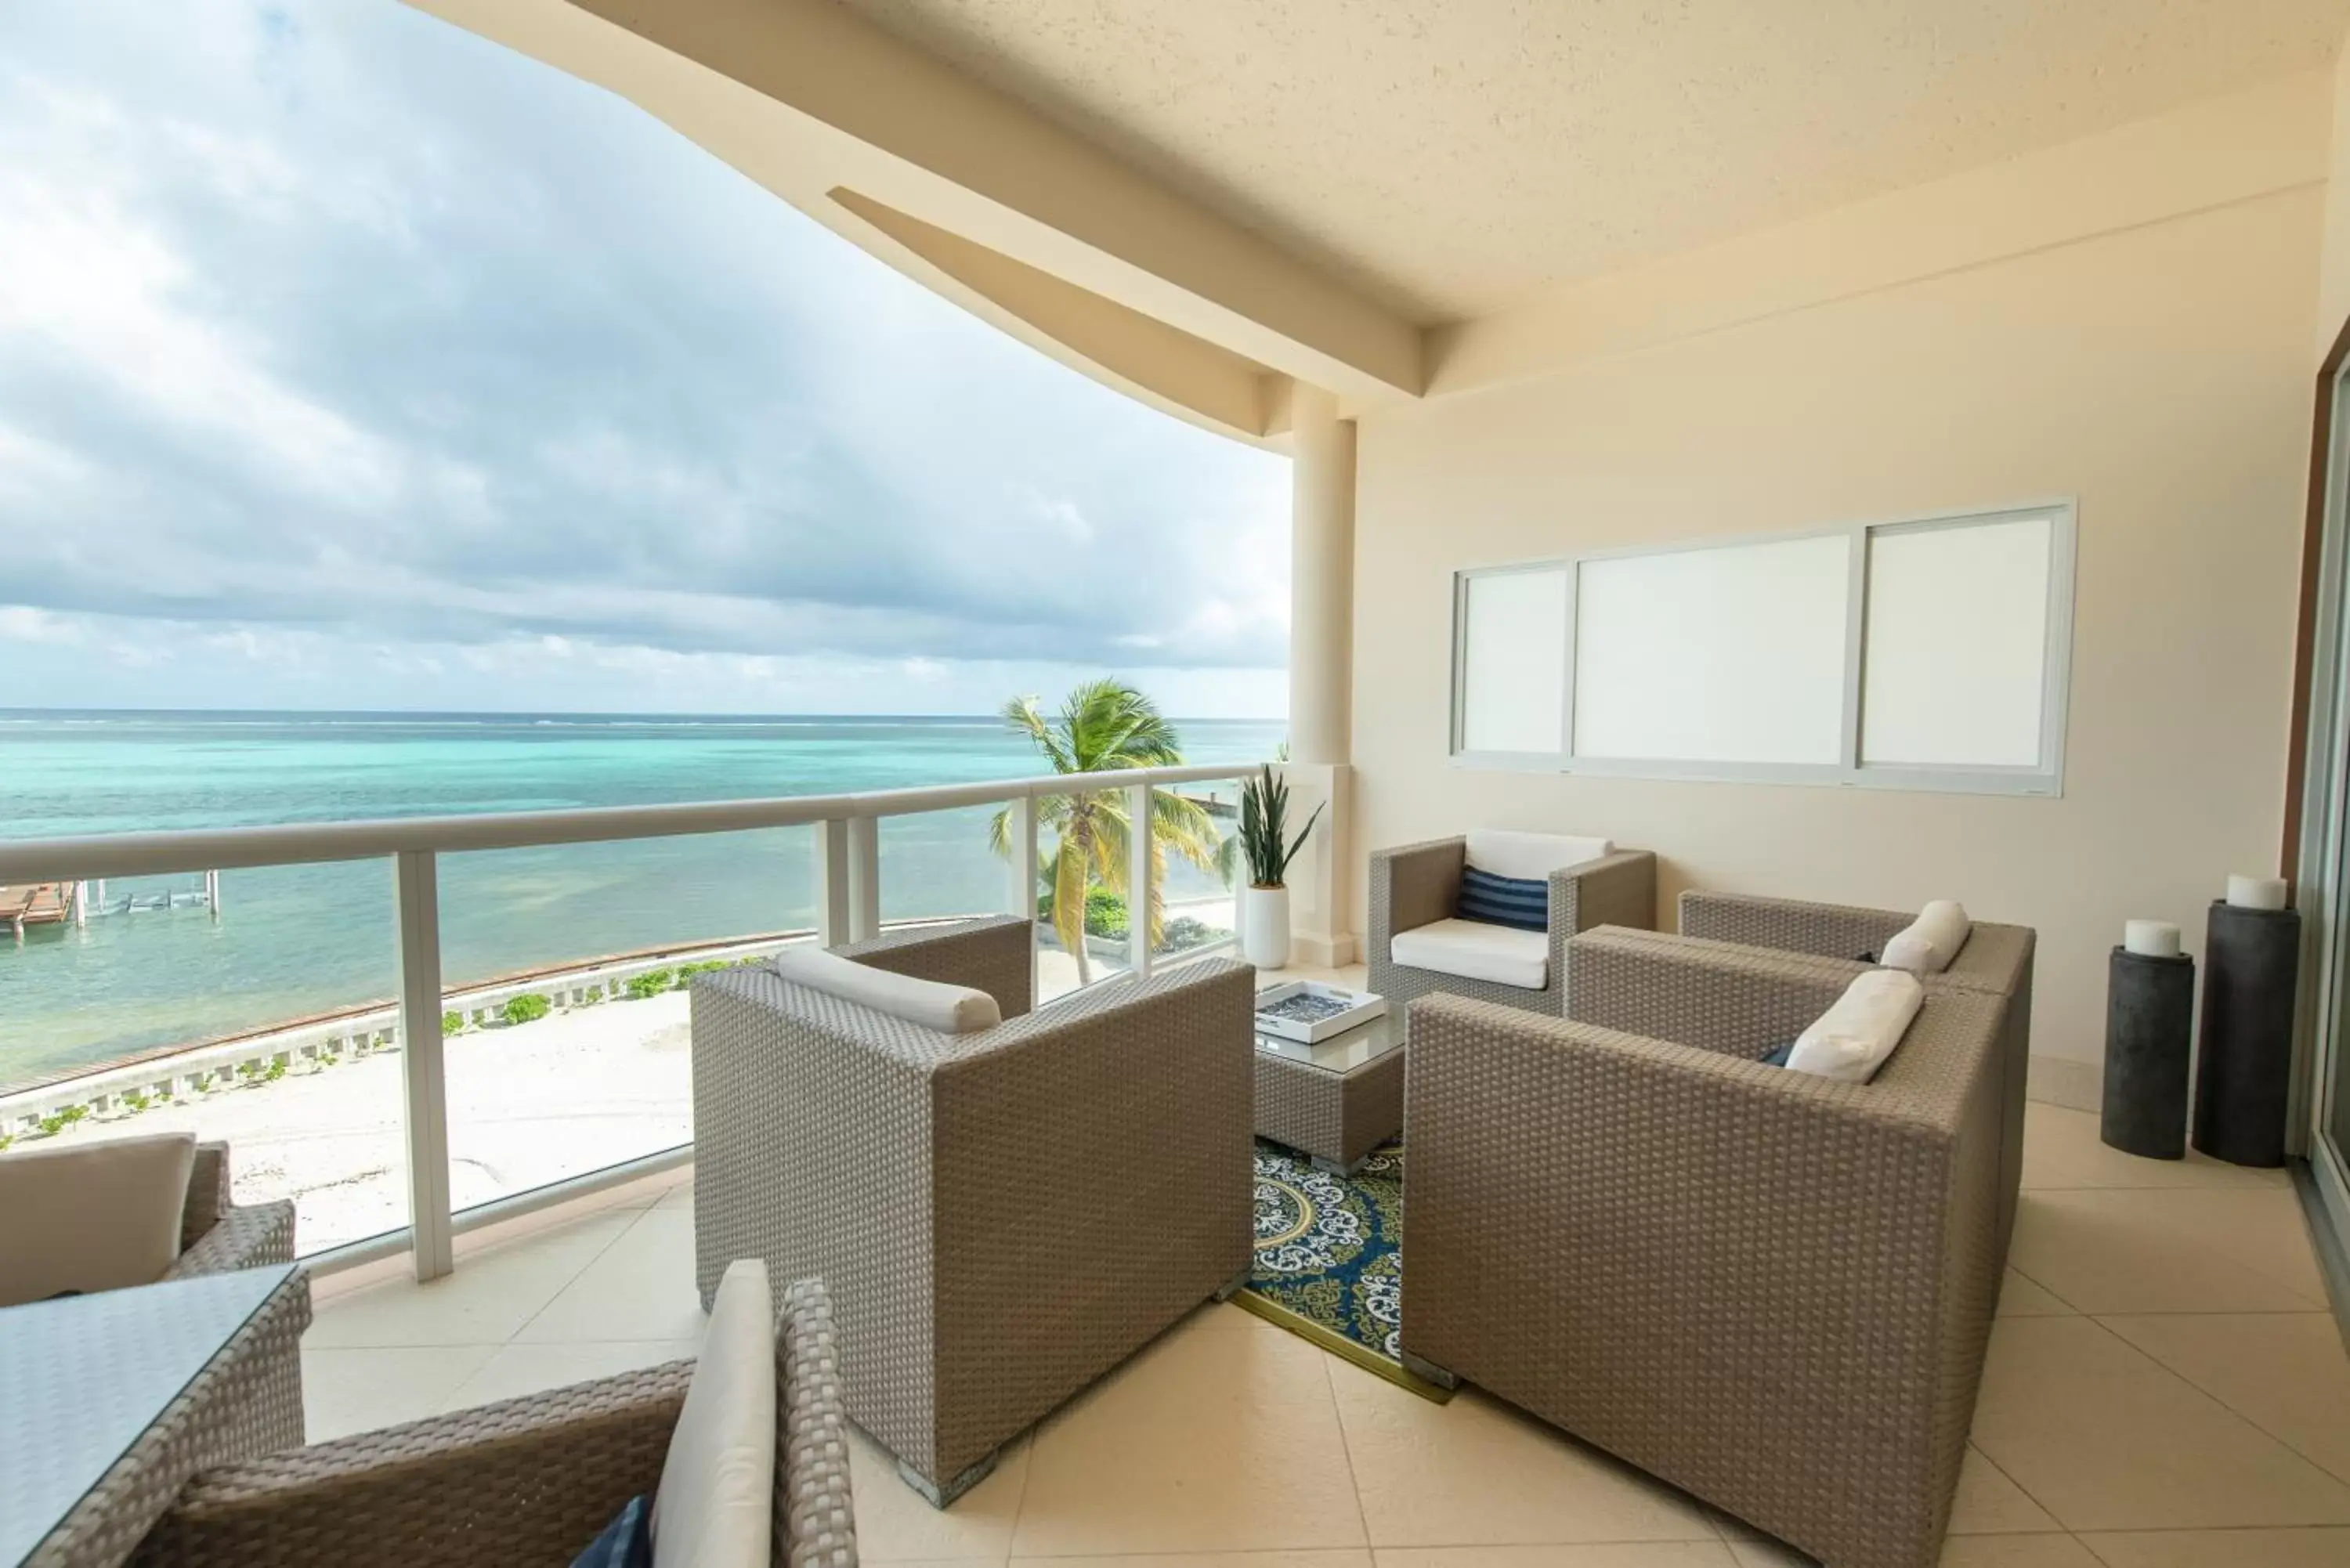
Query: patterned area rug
{"x": 1329, "y": 1256}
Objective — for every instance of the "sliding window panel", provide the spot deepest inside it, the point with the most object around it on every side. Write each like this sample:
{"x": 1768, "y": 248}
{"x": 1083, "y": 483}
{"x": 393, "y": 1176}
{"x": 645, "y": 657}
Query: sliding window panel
{"x": 1511, "y": 663}
{"x": 1960, "y": 670}
{"x": 1723, "y": 658}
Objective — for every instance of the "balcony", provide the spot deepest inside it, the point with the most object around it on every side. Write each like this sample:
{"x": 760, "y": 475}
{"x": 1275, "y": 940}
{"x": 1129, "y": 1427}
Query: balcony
{"x": 397, "y": 1127}
{"x": 2164, "y": 1388}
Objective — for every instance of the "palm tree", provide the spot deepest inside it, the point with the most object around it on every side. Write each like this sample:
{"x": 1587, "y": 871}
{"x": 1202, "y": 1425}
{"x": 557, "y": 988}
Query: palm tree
{"x": 1103, "y": 726}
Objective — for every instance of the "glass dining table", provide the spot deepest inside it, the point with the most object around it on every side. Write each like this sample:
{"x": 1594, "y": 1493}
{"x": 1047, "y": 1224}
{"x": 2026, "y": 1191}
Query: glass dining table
{"x": 116, "y": 1397}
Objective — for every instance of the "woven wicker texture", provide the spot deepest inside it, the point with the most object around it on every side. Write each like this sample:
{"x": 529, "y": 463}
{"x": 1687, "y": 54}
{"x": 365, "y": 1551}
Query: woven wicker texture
{"x": 903, "y": 1166}
{"x": 216, "y": 1233}
{"x": 1771, "y": 1290}
{"x": 1420, "y": 883}
{"x": 246, "y": 1400}
{"x": 1996, "y": 959}
{"x": 1335, "y": 1116}
{"x": 525, "y": 1481}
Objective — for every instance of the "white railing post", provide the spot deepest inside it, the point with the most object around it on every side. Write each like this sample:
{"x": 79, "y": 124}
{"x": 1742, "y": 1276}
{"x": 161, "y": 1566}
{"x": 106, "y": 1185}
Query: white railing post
{"x": 831, "y": 883}
{"x": 863, "y": 878}
{"x": 1020, "y": 873}
{"x": 1138, "y": 879}
{"x": 423, "y": 1071}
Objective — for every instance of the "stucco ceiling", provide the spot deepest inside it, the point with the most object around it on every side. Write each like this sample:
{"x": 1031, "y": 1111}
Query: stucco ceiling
{"x": 1451, "y": 158}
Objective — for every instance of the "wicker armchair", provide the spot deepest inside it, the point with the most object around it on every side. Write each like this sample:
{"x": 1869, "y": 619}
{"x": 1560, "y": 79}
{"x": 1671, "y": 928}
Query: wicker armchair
{"x": 1771, "y": 1290}
{"x": 1996, "y": 960}
{"x": 526, "y": 1482}
{"x": 1420, "y": 883}
{"x": 1002, "y": 1216}
{"x": 217, "y": 1233}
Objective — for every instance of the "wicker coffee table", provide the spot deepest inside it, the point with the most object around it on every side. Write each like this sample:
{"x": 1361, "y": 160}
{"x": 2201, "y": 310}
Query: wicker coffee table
{"x": 1336, "y": 1101}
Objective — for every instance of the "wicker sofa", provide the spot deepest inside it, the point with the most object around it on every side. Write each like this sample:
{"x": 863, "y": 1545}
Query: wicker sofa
{"x": 526, "y": 1481}
{"x": 1996, "y": 960}
{"x": 1771, "y": 1290}
{"x": 1419, "y": 884}
{"x": 1002, "y": 1216}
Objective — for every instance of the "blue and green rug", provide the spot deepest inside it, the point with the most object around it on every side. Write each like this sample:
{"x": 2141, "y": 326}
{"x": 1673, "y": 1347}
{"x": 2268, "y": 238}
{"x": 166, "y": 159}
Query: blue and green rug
{"x": 1329, "y": 1257}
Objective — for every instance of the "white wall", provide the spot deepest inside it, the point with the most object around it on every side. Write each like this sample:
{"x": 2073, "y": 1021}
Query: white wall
{"x": 2157, "y": 369}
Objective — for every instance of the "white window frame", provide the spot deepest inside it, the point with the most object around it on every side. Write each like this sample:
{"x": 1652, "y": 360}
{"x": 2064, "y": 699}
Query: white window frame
{"x": 2044, "y": 778}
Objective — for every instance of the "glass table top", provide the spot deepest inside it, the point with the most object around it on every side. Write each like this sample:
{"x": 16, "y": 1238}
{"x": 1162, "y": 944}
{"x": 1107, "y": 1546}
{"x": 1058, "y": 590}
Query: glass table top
{"x": 1357, "y": 1047}
{"x": 87, "y": 1376}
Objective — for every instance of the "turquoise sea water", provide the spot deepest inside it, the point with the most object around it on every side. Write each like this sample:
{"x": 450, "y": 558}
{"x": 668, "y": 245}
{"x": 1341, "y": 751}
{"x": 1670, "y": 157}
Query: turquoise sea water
{"x": 294, "y": 940}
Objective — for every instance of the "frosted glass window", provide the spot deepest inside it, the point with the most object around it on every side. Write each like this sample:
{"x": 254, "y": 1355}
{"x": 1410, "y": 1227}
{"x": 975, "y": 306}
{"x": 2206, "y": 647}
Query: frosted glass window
{"x": 1957, "y": 644}
{"x": 1513, "y": 662}
{"x": 1733, "y": 654}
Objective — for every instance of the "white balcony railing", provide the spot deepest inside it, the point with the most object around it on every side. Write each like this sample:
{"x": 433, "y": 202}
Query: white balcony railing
{"x": 848, "y": 906}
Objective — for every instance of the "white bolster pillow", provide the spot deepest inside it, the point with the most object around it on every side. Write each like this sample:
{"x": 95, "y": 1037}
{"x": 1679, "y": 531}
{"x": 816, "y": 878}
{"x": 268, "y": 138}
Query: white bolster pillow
{"x": 949, "y": 1009}
{"x": 1928, "y": 944}
{"x": 1852, "y": 1039}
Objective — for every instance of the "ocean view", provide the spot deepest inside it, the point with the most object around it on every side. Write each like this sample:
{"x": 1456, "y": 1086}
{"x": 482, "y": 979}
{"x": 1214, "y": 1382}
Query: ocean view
{"x": 297, "y": 940}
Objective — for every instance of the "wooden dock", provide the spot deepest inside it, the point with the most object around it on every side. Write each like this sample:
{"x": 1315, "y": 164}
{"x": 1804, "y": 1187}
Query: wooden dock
{"x": 36, "y": 904}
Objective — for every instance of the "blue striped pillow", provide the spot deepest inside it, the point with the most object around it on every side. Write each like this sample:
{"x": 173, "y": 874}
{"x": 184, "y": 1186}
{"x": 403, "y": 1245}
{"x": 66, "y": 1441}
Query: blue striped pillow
{"x": 1523, "y": 902}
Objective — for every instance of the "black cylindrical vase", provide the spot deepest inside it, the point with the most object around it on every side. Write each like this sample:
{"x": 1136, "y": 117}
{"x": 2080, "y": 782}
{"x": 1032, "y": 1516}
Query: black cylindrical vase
{"x": 2149, "y": 1028}
{"x": 2251, "y": 963}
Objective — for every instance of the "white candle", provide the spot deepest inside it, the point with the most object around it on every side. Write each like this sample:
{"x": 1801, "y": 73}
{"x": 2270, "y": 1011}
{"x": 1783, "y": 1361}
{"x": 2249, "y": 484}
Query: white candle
{"x": 2256, "y": 892}
{"x": 2153, "y": 939}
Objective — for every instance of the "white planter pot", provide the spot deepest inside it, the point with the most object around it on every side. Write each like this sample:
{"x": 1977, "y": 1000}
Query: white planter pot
{"x": 1264, "y": 927}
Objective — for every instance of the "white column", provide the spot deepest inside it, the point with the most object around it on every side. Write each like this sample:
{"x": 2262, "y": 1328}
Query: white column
{"x": 863, "y": 878}
{"x": 1138, "y": 880}
{"x": 1020, "y": 875}
{"x": 1321, "y": 672}
{"x": 1321, "y": 579}
{"x": 423, "y": 1075}
{"x": 832, "y": 917}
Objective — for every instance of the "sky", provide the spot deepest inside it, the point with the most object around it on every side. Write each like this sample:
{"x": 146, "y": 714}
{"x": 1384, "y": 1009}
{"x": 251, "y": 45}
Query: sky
{"x": 351, "y": 362}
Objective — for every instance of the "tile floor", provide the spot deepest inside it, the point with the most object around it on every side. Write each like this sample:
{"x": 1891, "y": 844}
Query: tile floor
{"x": 2164, "y": 1390}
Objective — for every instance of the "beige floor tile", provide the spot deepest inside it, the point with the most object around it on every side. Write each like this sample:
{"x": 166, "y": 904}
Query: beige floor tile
{"x": 518, "y": 1369}
{"x": 1586, "y": 1554}
{"x": 1214, "y": 1439}
{"x": 2016, "y": 1552}
{"x": 640, "y": 1287}
{"x": 2061, "y": 1149}
{"x": 2178, "y": 1250}
{"x": 2104, "y": 1438}
{"x": 1334, "y": 1557}
{"x": 1756, "y": 1551}
{"x": 2020, "y": 1297}
{"x": 1989, "y": 1503}
{"x": 358, "y": 1390}
{"x": 1476, "y": 1472}
{"x": 678, "y": 1196}
{"x": 2223, "y": 1549}
{"x": 894, "y": 1525}
{"x": 1223, "y": 1407}
{"x": 484, "y": 1300}
{"x": 2285, "y": 1374}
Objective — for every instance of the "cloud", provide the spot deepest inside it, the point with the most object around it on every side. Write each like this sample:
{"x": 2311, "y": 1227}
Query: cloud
{"x": 329, "y": 320}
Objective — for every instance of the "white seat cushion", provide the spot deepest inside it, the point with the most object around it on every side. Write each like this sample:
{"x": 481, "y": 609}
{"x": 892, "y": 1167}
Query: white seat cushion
{"x": 949, "y": 1009}
{"x": 1531, "y": 856}
{"x": 1476, "y": 950}
{"x": 715, "y": 1507}
{"x": 1852, "y": 1039}
{"x": 91, "y": 1216}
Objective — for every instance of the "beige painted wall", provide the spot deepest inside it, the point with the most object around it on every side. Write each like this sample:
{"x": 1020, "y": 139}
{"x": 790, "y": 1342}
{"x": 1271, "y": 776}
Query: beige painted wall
{"x": 2160, "y": 372}
{"x": 2334, "y": 262}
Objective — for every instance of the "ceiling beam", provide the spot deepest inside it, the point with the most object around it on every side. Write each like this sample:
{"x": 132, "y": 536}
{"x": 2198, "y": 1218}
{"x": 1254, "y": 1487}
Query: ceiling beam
{"x": 962, "y": 157}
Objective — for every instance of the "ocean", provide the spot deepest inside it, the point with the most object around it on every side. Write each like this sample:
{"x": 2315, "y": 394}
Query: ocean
{"x": 296, "y": 940}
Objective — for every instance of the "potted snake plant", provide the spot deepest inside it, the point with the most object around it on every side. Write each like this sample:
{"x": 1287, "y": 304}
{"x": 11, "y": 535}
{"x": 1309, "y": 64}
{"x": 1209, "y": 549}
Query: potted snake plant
{"x": 1268, "y": 849}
